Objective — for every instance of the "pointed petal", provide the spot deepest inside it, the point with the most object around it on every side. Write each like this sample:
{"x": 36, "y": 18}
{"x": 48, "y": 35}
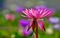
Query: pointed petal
{"x": 41, "y": 24}
{"x": 49, "y": 13}
{"x": 23, "y": 15}
{"x": 31, "y": 21}
{"x": 26, "y": 12}
{"x": 45, "y": 10}
{"x": 32, "y": 11}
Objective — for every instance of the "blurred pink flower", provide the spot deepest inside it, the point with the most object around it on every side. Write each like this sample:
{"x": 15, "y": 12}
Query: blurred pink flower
{"x": 36, "y": 18}
{"x": 9, "y": 17}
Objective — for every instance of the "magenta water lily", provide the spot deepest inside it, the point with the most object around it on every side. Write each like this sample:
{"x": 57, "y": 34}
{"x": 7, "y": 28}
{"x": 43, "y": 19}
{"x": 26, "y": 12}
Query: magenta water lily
{"x": 36, "y": 18}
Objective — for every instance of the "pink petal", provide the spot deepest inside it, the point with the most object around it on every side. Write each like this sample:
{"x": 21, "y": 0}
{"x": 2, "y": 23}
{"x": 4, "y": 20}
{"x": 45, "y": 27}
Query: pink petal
{"x": 41, "y": 24}
{"x": 26, "y": 12}
{"x": 24, "y": 16}
{"x": 31, "y": 20}
{"x": 41, "y": 11}
{"x": 44, "y": 12}
{"x": 49, "y": 12}
{"x": 36, "y": 13}
{"x": 32, "y": 11}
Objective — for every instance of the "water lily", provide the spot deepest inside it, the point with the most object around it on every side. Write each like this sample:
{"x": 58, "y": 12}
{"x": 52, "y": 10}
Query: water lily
{"x": 36, "y": 18}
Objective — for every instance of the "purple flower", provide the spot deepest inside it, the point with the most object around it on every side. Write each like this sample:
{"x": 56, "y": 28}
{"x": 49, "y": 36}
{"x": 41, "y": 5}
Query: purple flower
{"x": 57, "y": 26}
{"x": 27, "y": 33}
{"x": 39, "y": 7}
{"x": 19, "y": 9}
{"x": 54, "y": 20}
{"x": 23, "y": 22}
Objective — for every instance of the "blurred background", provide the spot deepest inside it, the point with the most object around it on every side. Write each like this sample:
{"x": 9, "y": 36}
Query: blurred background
{"x": 10, "y": 26}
